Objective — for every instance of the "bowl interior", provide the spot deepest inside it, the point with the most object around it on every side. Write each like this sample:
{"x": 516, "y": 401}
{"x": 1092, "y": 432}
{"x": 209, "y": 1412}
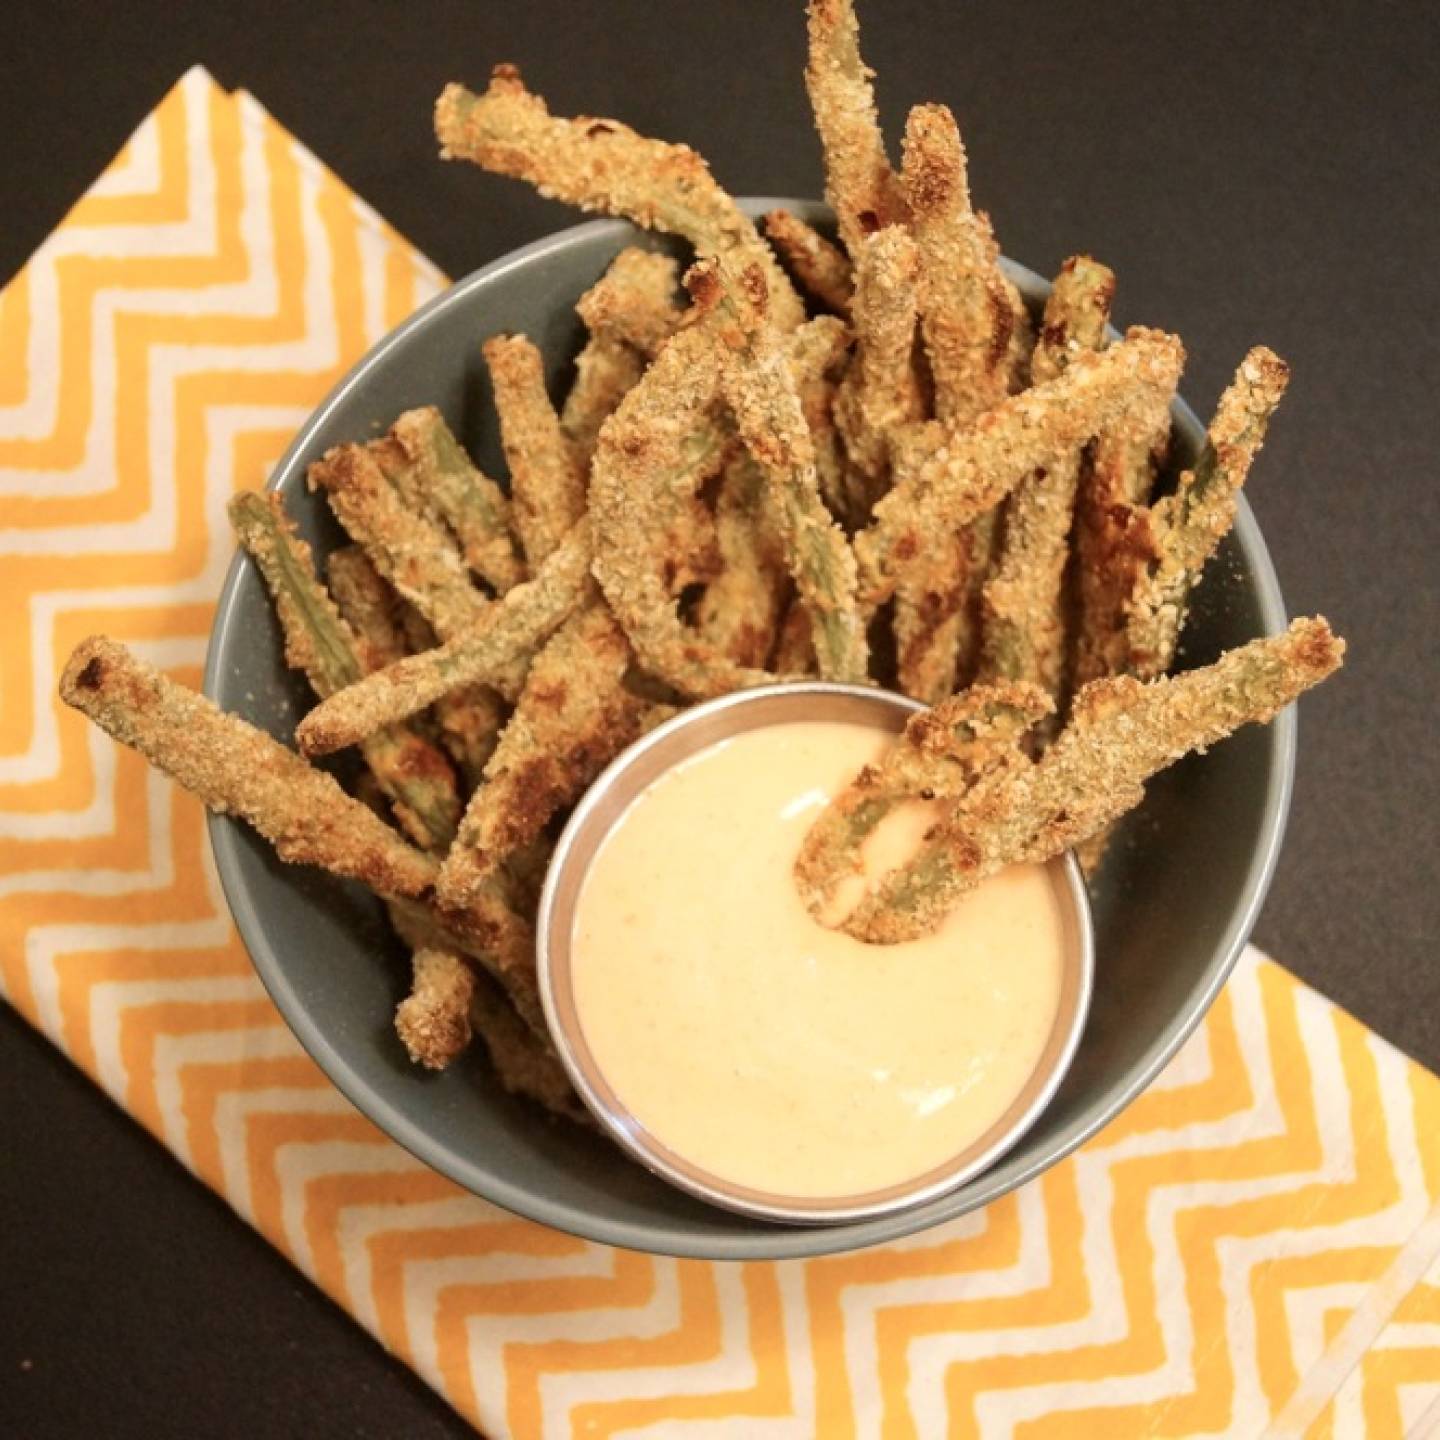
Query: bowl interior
{"x": 1172, "y": 908}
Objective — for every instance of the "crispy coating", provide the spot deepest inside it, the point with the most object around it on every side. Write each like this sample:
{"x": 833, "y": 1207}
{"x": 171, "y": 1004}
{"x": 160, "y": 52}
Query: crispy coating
{"x": 760, "y": 386}
{"x": 417, "y": 557}
{"x": 859, "y": 183}
{"x": 739, "y": 613}
{"x": 413, "y": 774}
{"x": 971, "y": 470}
{"x": 606, "y": 370}
{"x": 523, "y": 1064}
{"x": 573, "y": 717}
{"x": 653, "y": 454}
{"x": 389, "y": 628}
{"x": 1121, "y": 732}
{"x": 604, "y": 166}
{"x": 474, "y": 507}
{"x": 1189, "y": 525}
{"x": 547, "y": 477}
{"x": 1076, "y": 314}
{"x": 235, "y": 769}
{"x": 636, "y": 300}
{"x": 433, "y": 1021}
{"x": 508, "y": 629}
{"x": 1024, "y": 622}
{"x": 881, "y": 390}
{"x": 795, "y": 644}
{"x": 939, "y": 755}
{"x": 968, "y": 323}
{"x": 407, "y": 544}
{"x": 965, "y": 310}
{"x": 492, "y": 934}
{"x": 1114, "y": 537}
{"x": 630, "y": 312}
{"x": 369, "y": 606}
{"x": 668, "y": 438}
{"x": 823, "y": 269}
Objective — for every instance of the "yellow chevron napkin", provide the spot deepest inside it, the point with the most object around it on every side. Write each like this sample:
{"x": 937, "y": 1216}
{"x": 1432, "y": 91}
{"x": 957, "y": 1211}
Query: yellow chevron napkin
{"x": 1253, "y": 1247}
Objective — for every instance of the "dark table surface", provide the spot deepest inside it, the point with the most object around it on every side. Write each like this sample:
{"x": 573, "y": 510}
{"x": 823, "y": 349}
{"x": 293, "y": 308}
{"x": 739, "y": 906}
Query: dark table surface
{"x": 1251, "y": 172}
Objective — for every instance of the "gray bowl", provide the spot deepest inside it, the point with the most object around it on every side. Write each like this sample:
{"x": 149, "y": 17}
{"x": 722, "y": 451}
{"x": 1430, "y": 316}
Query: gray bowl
{"x": 1175, "y": 903}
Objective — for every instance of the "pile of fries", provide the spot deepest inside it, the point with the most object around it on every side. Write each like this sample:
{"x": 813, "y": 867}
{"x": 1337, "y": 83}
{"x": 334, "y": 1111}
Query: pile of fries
{"x": 863, "y": 461}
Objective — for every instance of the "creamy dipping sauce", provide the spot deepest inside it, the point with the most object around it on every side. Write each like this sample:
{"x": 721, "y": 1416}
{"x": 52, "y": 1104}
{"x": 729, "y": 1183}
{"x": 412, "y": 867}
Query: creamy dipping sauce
{"x": 765, "y": 1049}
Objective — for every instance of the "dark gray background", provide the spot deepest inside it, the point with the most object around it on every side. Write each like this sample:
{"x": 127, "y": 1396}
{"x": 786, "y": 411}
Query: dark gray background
{"x": 1253, "y": 173}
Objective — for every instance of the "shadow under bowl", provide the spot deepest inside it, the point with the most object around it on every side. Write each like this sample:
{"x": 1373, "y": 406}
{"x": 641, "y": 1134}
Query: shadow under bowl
{"x": 1173, "y": 907}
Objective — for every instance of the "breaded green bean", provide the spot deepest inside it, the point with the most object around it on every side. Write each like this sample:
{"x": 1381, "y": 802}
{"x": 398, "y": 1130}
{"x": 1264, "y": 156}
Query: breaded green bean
{"x": 739, "y": 613}
{"x": 606, "y": 371}
{"x": 388, "y": 629}
{"x": 492, "y": 934}
{"x": 636, "y": 301}
{"x": 408, "y": 548}
{"x": 1114, "y": 538}
{"x": 433, "y": 1020}
{"x": 547, "y": 477}
{"x": 233, "y": 768}
{"x": 509, "y": 628}
{"x": 604, "y": 166}
{"x": 369, "y": 607}
{"x": 971, "y": 470}
{"x": 881, "y": 390}
{"x": 573, "y": 717}
{"x": 965, "y": 313}
{"x": 760, "y": 387}
{"x": 419, "y": 559}
{"x": 523, "y": 1064}
{"x": 859, "y": 183}
{"x": 1189, "y": 525}
{"x": 666, "y": 439}
{"x": 630, "y": 311}
{"x": 823, "y": 269}
{"x": 967, "y": 321}
{"x": 412, "y": 773}
{"x": 939, "y": 755}
{"x": 474, "y": 507}
{"x": 1024, "y": 629}
{"x": 1121, "y": 732}
{"x": 654, "y": 453}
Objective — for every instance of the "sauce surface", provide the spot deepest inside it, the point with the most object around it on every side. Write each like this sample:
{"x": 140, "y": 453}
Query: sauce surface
{"x": 766, "y": 1049}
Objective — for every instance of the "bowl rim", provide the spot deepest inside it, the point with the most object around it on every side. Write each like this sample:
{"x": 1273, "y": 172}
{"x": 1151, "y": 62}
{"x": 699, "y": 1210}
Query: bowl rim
{"x": 767, "y": 1240}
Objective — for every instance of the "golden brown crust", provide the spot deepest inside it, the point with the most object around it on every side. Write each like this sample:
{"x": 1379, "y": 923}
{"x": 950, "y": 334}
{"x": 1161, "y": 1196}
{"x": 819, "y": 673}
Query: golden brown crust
{"x": 759, "y": 382}
{"x": 433, "y": 1021}
{"x": 635, "y": 301}
{"x": 602, "y": 165}
{"x": 971, "y": 470}
{"x": 509, "y": 628}
{"x": 823, "y": 269}
{"x": 474, "y": 508}
{"x": 547, "y": 477}
{"x": 859, "y": 183}
{"x": 1024, "y": 622}
{"x": 233, "y": 768}
{"x": 1121, "y": 732}
{"x": 573, "y": 717}
{"x": 881, "y": 390}
{"x": 523, "y": 1064}
{"x": 739, "y": 613}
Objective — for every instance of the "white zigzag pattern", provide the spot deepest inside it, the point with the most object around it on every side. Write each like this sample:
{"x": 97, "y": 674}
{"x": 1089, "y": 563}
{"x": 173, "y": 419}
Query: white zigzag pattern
{"x": 174, "y": 1054}
{"x": 137, "y": 171}
{"x": 1107, "y": 1321}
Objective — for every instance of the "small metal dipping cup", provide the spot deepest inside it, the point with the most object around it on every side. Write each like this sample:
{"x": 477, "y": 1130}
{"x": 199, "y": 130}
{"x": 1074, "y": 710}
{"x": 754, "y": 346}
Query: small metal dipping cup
{"x": 606, "y": 802}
